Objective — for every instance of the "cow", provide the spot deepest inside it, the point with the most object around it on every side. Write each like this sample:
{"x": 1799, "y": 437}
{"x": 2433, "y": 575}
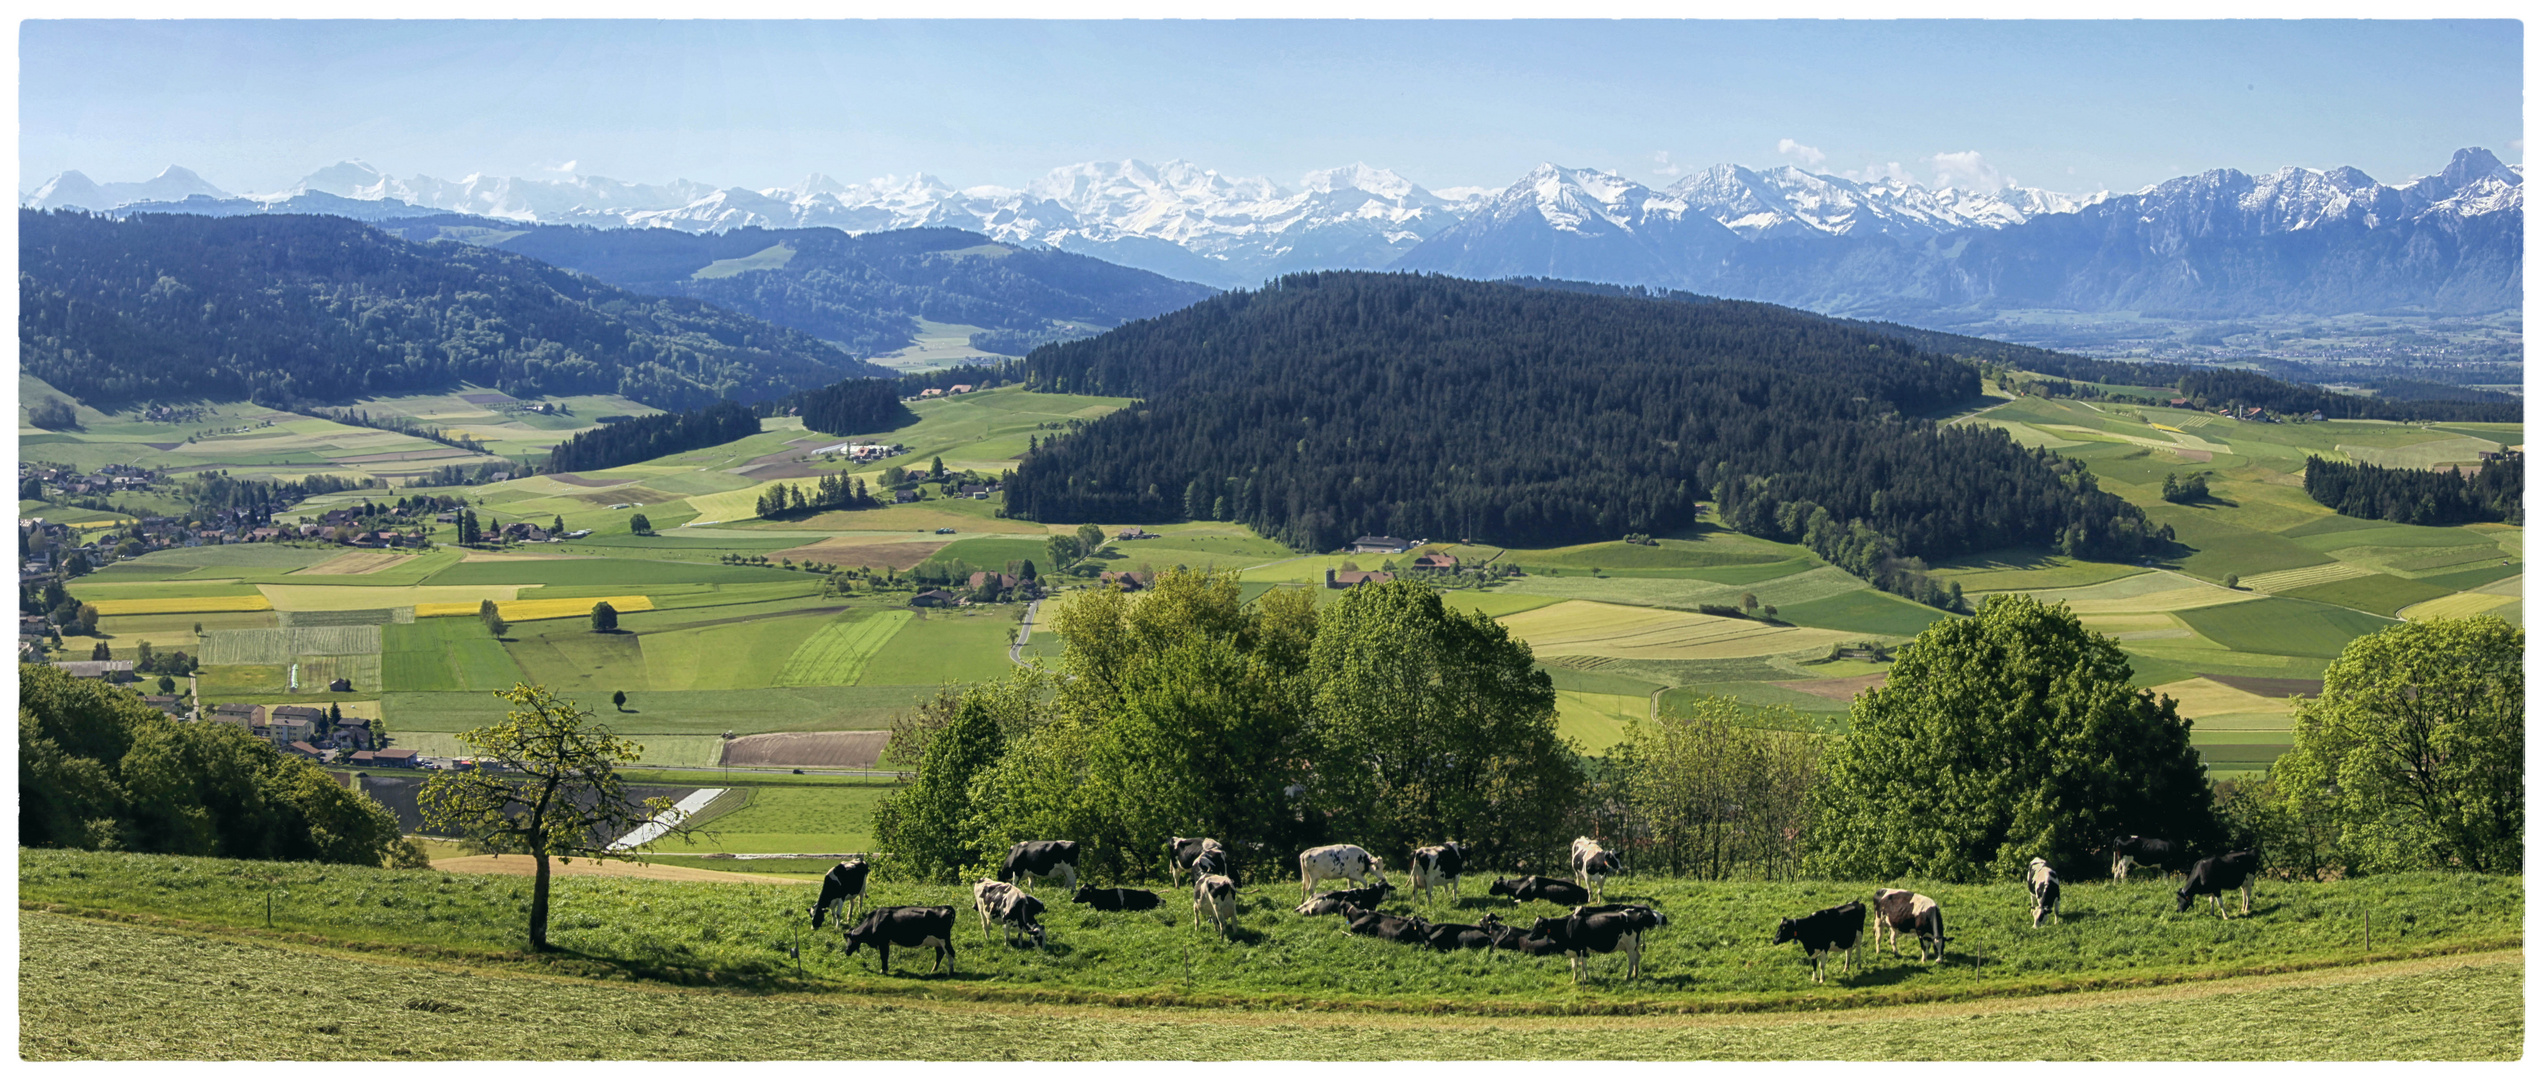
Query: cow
{"x": 909, "y": 928}
{"x": 1433, "y": 865}
{"x": 2045, "y": 893}
{"x": 1033, "y": 860}
{"x": 844, "y": 885}
{"x": 1395, "y": 928}
{"x": 1333, "y": 862}
{"x": 2128, "y": 851}
{"x": 1538, "y": 887}
{"x": 1214, "y": 895}
{"x": 1603, "y": 929}
{"x": 1008, "y": 907}
{"x": 1449, "y": 937}
{"x": 2217, "y": 875}
{"x": 1591, "y": 864}
{"x": 1181, "y": 850}
{"x": 1117, "y": 899}
{"x": 1823, "y": 931}
{"x": 1215, "y": 861}
{"x": 1902, "y": 912}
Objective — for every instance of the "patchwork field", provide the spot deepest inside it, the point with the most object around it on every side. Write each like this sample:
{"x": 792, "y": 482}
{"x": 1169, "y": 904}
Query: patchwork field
{"x": 1583, "y": 628}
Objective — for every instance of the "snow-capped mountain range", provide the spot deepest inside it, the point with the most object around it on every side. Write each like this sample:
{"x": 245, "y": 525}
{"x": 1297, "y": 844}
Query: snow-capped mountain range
{"x": 1782, "y": 234}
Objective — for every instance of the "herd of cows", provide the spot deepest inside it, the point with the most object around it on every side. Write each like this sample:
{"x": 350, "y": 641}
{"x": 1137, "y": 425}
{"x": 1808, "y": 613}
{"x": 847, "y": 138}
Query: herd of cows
{"x": 1590, "y": 928}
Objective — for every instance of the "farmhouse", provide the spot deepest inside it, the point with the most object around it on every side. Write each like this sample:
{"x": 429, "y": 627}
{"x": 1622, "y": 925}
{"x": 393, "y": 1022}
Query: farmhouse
{"x": 395, "y": 759}
{"x": 1343, "y": 579}
{"x": 1129, "y": 580}
{"x": 904, "y": 496}
{"x": 110, "y": 670}
{"x": 247, "y": 717}
{"x": 1136, "y": 533}
{"x": 1436, "y": 561}
{"x": 1380, "y": 545}
{"x": 961, "y": 388}
{"x": 934, "y": 598}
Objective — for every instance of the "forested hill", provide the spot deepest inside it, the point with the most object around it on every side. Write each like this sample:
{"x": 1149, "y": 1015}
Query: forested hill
{"x": 865, "y": 292}
{"x": 2395, "y": 398}
{"x": 287, "y": 308}
{"x": 1327, "y": 406}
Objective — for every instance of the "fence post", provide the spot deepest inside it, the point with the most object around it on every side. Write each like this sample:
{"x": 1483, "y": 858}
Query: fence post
{"x": 2369, "y": 928}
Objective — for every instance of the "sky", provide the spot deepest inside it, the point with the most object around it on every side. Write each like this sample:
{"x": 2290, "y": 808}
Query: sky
{"x": 2067, "y": 106}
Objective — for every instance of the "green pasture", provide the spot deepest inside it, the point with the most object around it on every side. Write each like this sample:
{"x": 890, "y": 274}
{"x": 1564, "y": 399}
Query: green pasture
{"x": 2378, "y": 594}
{"x": 1715, "y": 952}
{"x": 444, "y": 654}
{"x": 2282, "y": 625}
{"x": 166, "y": 632}
{"x": 840, "y": 651}
{"x": 677, "y": 712}
{"x": 1863, "y": 611}
{"x": 833, "y": 817}
{"x": 632, "y": 573}
{"x": 945, "y": 646}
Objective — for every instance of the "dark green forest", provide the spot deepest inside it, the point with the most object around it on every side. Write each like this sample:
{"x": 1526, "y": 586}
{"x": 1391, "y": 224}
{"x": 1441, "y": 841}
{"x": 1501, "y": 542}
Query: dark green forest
{"x": 854, "y": 407}
{"x": 2495, "y": 492}
{"x": 646, "y": 437}
{"x": 1331, "y": 405}
{"x": 289, "y": 309}
{"x": 865, "y": 292}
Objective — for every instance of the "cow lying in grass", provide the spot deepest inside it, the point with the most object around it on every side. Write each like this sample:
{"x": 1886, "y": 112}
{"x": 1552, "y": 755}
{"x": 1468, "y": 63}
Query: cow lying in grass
{"x": 1394, "y": 928}
{"x": 909, "y": 928}
{"x": 2217, "y": 875}
{"x": 1538, "y": 887}
{"x": 1902, "y": 912}
{"x": 1116, "y": 899}
{"x": 1822, "y": 932}
{"x": 1449, "y": 937}
{"x": 1332, "y": 903}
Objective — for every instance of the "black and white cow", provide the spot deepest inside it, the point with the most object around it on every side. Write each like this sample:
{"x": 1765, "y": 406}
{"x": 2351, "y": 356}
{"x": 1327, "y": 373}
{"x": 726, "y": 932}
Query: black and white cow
{"x": 1449, "y": 937}
{"x": 1394, "y": 928}
{"x": 1331, "y": 903}
{"x": 2145, "y": 851}
{"x": 1216, "y": 861}
{"x": 1592, "y": 864}
{"x": 1010, "y": 908}
{"x": 1117, "y": 899}
{"x": 1033, "y": 860}
{"x": 1335, "y": 862}
{"x": 2046, "y": 894}
{"x": 1822, "y": 932}
{"x": 1603, "y": 929}
{"x": 1181, "y": 850}
{"x": 909, "y": 928}
{"x": 1539, "y": 887}
{"x": 1214, "y": 896}
{"x": 1901, "y": 912}
{"x": 843, "y": 885}
{"x": 2217, "y": 875}
{"x": 1435, "y": 865}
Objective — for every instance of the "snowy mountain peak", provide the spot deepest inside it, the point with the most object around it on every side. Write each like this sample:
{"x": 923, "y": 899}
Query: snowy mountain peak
{"x": 1358, "y": 176}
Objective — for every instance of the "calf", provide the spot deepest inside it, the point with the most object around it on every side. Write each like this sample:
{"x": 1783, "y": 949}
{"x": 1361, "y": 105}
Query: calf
{"x": 1215, "y": 896}
{"x": 909, "y": 928}
{"x": 1009, "y": 907}
{"x": 1334, "y": 862}
{"x": 1538, "y": 887}
{"x": 1181, "y": 850}
{"x": 2217, "y": 875}
{"x": 1824, "y": 931}
{"x": 1117, "y": 899}
{"x": 1033, "y": 860}
{"x": 1432, "y": 865}
{"x": 2127, "y": 851}
{"x": 1591, "y": 864}
{"x": 2044, "y": 893}
{"x": 1603, "y": 929}
{"x": 845, "y": 884}
{"x": 1902, "y": 912}
{"x": 1394, "y": 928}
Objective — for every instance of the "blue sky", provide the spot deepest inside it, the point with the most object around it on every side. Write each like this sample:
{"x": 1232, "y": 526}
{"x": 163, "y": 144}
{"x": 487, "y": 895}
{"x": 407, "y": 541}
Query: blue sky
{"x": 2074, "y": 106}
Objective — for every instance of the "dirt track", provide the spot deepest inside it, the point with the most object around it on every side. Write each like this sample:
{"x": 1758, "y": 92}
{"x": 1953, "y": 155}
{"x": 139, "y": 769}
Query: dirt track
{"x": 808, "y": 749}
{"x": 1838, "y": 689}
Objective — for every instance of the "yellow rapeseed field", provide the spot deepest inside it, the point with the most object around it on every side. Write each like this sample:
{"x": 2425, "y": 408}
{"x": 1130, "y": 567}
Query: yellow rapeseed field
{"x": 528, "y": 610}
{"x": 181, "y": 605}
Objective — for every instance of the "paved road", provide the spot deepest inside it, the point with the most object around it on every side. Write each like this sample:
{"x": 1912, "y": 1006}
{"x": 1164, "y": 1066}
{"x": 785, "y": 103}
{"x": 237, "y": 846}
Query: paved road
{"x": 1015, "y": 652}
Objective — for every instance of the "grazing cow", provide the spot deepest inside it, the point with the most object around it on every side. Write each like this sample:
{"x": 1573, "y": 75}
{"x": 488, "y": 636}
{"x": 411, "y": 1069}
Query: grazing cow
{"x": 1822, "y": 932}
{"x": 1033, "y": 860}
{"x": 1215, "y": 861}
{"x": 1449, "y": 937}
{"x": 1603, "y": 929}
{"x": 909, "y": 928}
{"x": 1394, "y": 928}
{"x": 1009, "y": 907}
{"x": 2045, "y": 893}
{"x": 2217, "y": 875}
{"x": 1591, "y": 864}
{"x": 1214, "y": 895}
{"x": 1902, "y": 912}
{"x": 845, "y": 884}
{"x": 1181, "y": 850}
{"x": 1433, "y": 865}
{"x": 1539, "y": 887}
{"x": 1117, "y": 899}
{"x": 1334, "y": 862}
{"x": 2128, "y": 851}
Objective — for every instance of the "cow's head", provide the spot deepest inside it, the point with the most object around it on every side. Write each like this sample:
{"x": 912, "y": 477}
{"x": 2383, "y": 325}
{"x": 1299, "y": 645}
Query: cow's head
{"x": 1085, "y": 894}
{"x": 858, "y": 937}
{"x": 1503, "y": 887}
{"x": 1787, "y": 930}
{"x": 2185, "y": 897}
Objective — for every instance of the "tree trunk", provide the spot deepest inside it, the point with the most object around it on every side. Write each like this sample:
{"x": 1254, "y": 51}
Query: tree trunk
{"x": 538, "y": 907}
